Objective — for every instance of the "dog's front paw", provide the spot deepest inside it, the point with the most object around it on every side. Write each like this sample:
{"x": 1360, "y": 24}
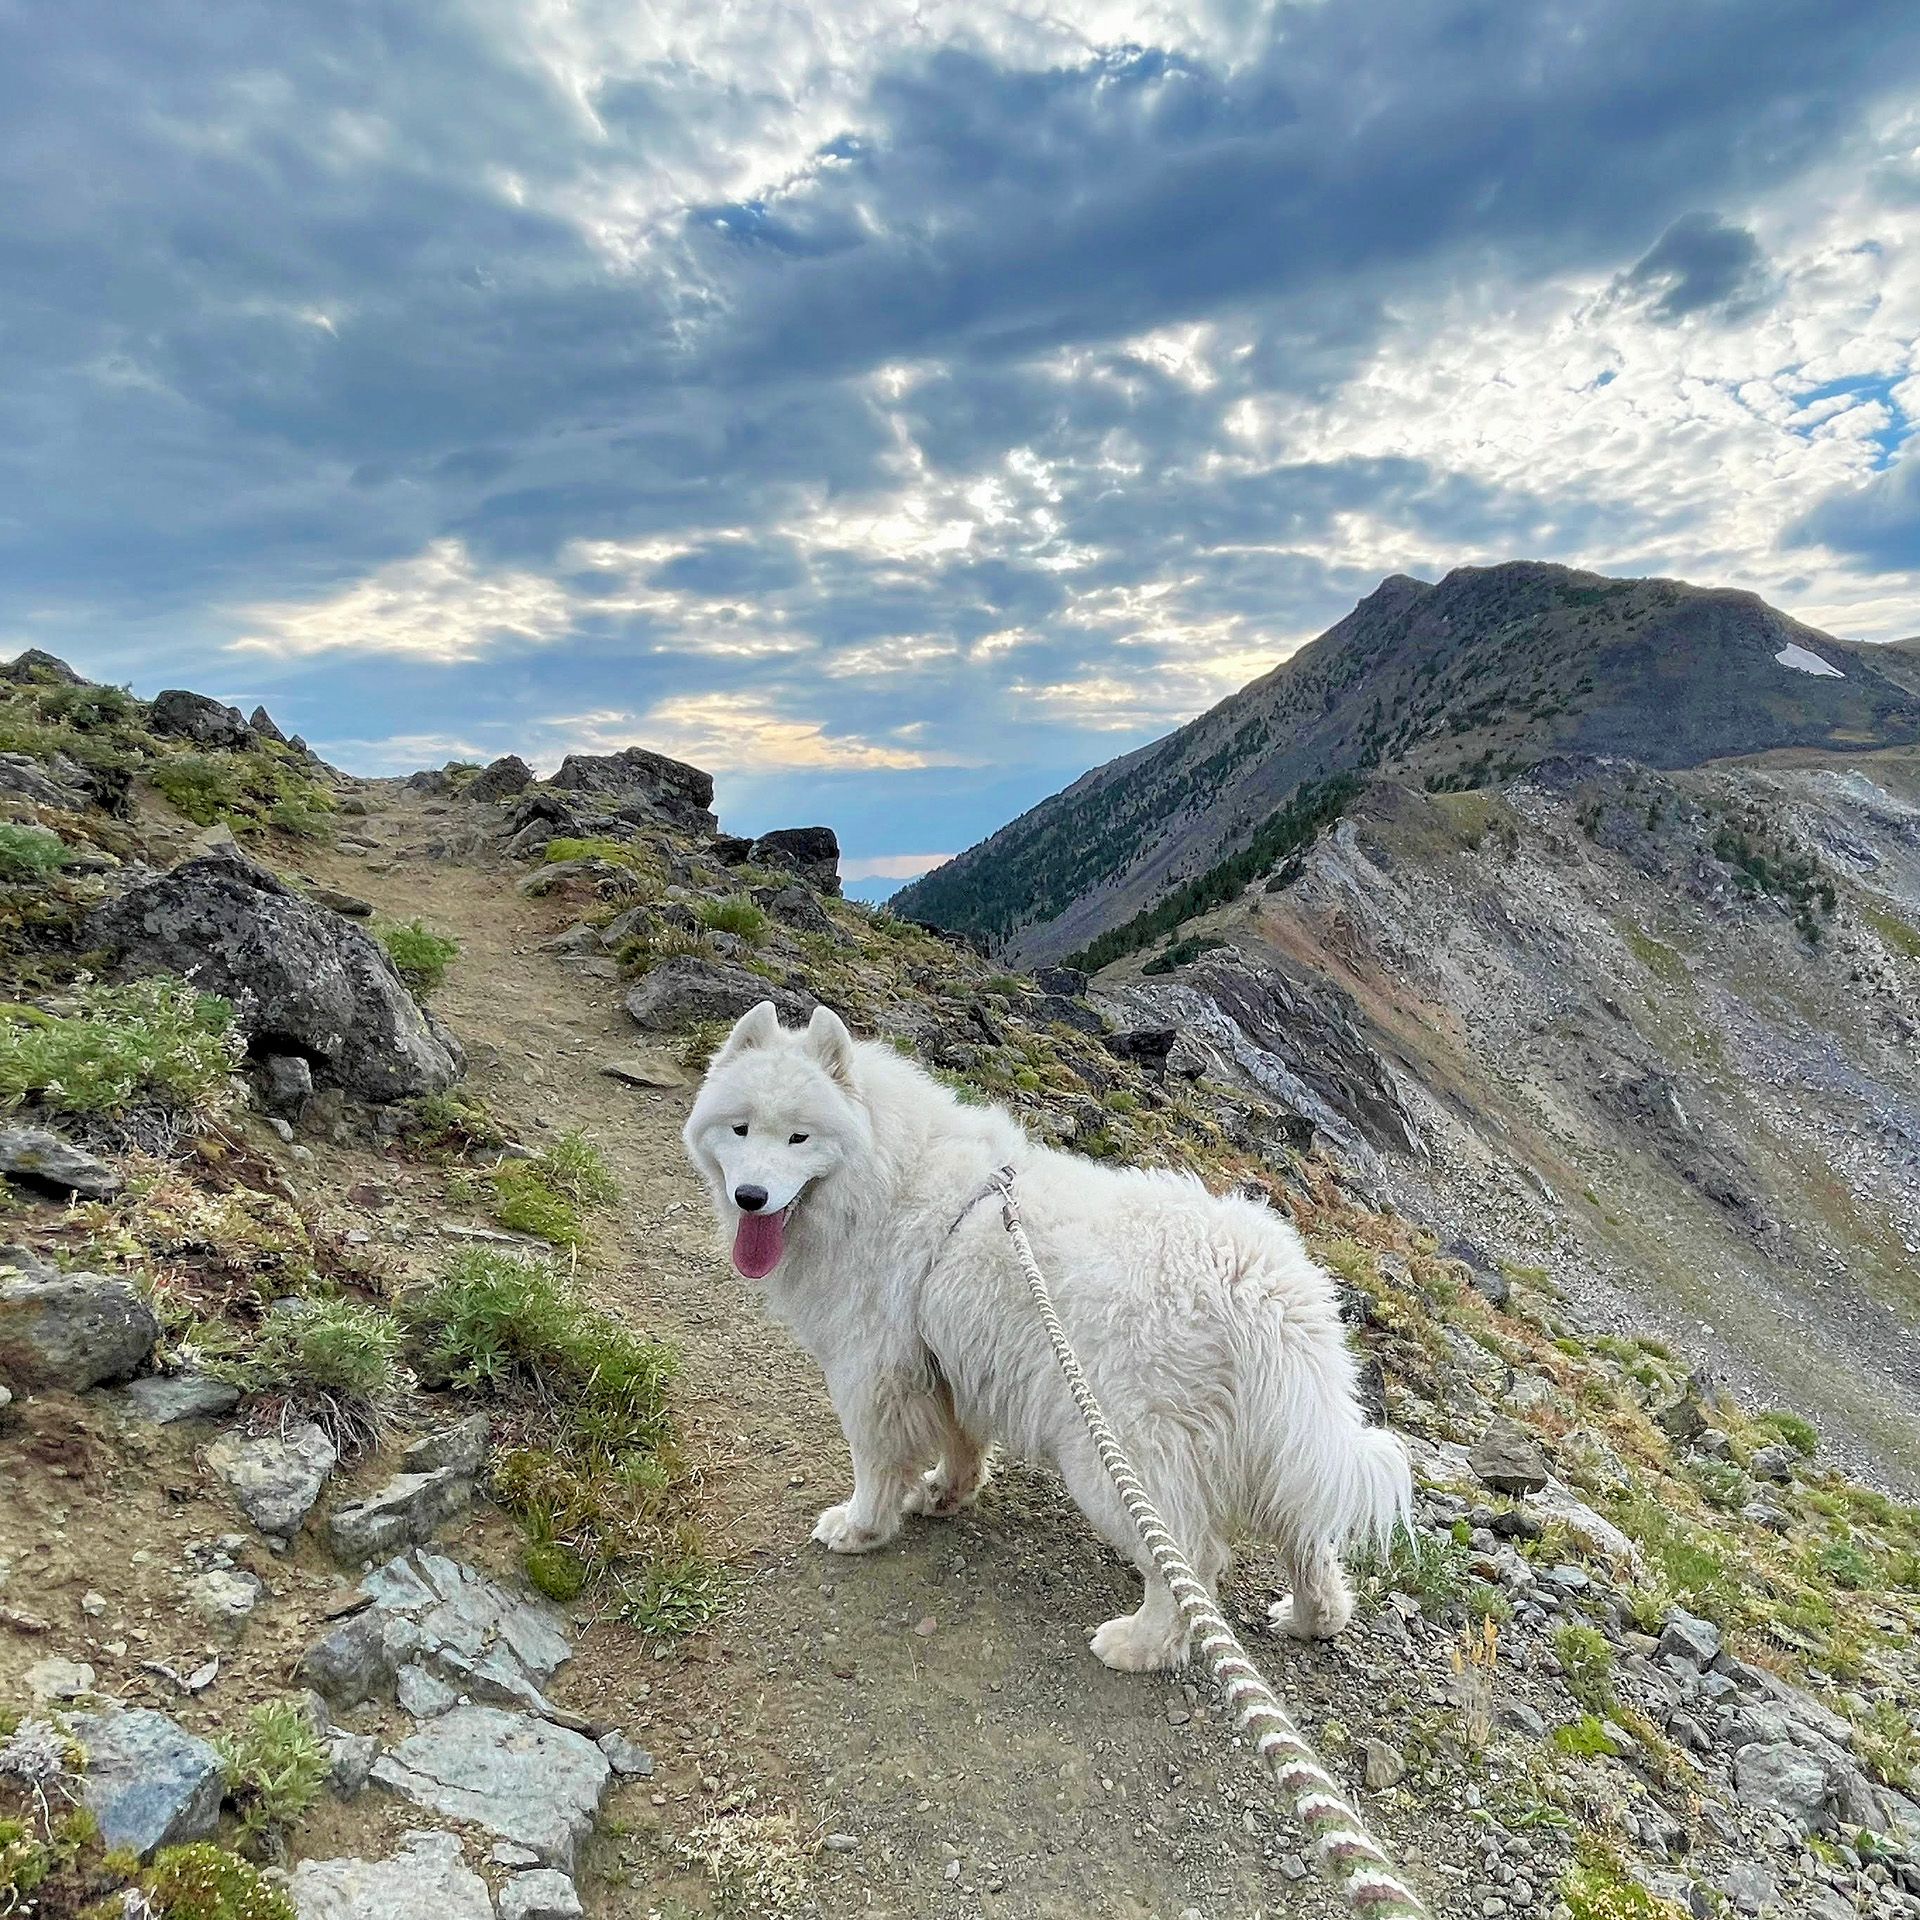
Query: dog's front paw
{"x": 1127, "y": 1646}
{"x": 1298, "y": 1622}
{"x": 836, "y": 1531}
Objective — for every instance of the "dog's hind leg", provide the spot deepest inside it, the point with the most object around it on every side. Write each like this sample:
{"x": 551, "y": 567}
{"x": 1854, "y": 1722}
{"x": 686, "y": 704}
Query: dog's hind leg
{"x": 963, "y": 1470}
{"x": 1319, "y": 1604}
{"x": 894, "y": 1426}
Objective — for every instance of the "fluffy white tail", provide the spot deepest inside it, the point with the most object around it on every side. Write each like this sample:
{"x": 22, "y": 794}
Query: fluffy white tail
{"x": 1343, "y": 1482}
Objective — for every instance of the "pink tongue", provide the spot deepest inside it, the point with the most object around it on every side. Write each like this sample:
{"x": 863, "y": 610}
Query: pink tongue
{"x": 758, "y": 1244}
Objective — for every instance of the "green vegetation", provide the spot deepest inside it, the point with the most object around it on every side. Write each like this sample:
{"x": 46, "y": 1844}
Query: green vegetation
{"x": 275, "y": 1767}
{"x": 339, "y": 1363}
{"x": 1902, "y": 937}
{"x": 151, "y": 1043}
{"x": 1599, "y": 1887}
{"x": 735, "y": 914}
{"x": 1180, "y": 953}
{"x": 31, "y": 853}
{"x": 674, "y": 1599}
{"x": 1584, "y": 1739}
{"x": 1801, "y": 1435}
{"x": 1659, "y": 960}
{"x": 206, "y": 1882}
{"x": 1767, "y": 866}
{"x": 420, "y": 956}
{"x": 247, "y": 792}
{"x": 448, "y": 1126}
{"x": 1433, "y": 1568}
{"x": 1315, "y": 804}
{"x": 1586, "y": 1662}
{"x": 551, "y": 1195}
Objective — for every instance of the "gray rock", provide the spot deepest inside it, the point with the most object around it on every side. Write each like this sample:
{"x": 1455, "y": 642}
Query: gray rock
{"x": 260, "y": 721}
{"x": 165, "y": 1399}
{"x": 544, "y": 1895}
{"x": 72, "y": 1331}
{"x": 276, "y": 1478}
{"x": 798, "y": 907}
{"x": 503, "y": 1853}
{"x": 1785, "y": 1780}
{"x": 426, "y": 1879}
{"x": 408, "y": 1508}
{"x": 225, "y": 1597}
{"x": 336, "y": 901}
{"x": 286, "y": 1084}
{"x": 1384, "y": 1766}
{"x": 422, "y": 1694}
{"x": 38, "y": 667}
{"x": 1508, "y": 1459}
{"x": 811, "y": 852}
{"x": 1682, "y": 1419}
{"x": 198, "y": 718}
{"x": 645, "y": 1070}
{"x": 577, "y": 939}
{"x": 42, "y": 1160}
{"x": 499, "y": 780}
{"x": 462, "y": 1446}
{"x": 303, "y": 980}
{"x": 1775, "y": 1463}
{"x": 633, "y": 1761}
{"x": 351, "y": 1757}
{"x": 527, "y": 1781}
{"x": 57, "y": 1679}
{"x": 1687, "y": 1637}
{"x": 1523, "y": 1719}
{"x": 637, "y": 785}
{"x": 148, "y": 1782}
{"x": 685, "y": 990}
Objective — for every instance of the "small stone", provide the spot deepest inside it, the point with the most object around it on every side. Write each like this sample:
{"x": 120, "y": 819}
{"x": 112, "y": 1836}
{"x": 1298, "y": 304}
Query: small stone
{"x": 541, "y": 1895}
{"x": 225, "y": 1598}
{"x": 57, "y": 1679}
{"x": 503, "y": 1853}
{"x": 1384, "y": 1766}
{"x": 625, "y": 1757}
{"x": 840, "y": 1843}
{"x": 275, "y": 1477}
{"x": 926, "y": 1627}
{"x": 71, "y": 1331}
{"x": 462, "y": 1447}
{"x": 1687, "y": 1637}
{"x": 93, "y": 1605}
{"x": 646, "y": 1070}
{"x": 165, "y": 1399}
{"x": 351, "y": 1757}
{"x": 286, "y": 1084}
{"x": 1508, "y": 1459}
{"x": 1775, "y": 1463}
{"x": 1522, "y": 1719}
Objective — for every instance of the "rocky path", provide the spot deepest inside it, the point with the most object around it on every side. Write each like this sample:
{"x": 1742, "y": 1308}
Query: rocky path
{"x": 928, "y": 1716}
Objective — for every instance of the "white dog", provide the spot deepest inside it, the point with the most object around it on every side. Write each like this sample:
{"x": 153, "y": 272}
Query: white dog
{"x": 856, "y": 1188}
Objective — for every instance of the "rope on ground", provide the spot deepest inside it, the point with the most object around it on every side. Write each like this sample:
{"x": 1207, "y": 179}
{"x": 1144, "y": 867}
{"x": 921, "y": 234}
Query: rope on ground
{"x": 1347, "y": 1853}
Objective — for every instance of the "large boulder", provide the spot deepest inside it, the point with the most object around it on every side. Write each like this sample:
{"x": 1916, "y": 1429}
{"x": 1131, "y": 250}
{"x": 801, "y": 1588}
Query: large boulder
{"x": 685, "y": 990}
{"x": 640, "y": 785}
{"x": 500, "y": 780}
{"x": 71, "y": 1331}
{"x": 149, "y": 1782}
{"x": 35, "y": 1158}
{"x": 204, "y": 721}
{"x": 302, "y": 980}
{"x": 37, "y": 665}
{"x": 811, "y": 852}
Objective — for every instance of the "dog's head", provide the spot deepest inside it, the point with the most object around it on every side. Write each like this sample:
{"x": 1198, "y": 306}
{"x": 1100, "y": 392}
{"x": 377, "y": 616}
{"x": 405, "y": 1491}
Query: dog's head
{"x": 777, "y": 1114}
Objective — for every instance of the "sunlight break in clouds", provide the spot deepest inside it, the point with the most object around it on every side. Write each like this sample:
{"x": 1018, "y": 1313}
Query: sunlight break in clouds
{"x": 729, "y": 733}
{"x": 434, "y": 606}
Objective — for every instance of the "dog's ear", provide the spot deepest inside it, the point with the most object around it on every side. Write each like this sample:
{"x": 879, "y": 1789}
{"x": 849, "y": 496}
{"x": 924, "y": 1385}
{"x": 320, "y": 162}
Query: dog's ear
{"x": 759, "y": 1026}
{"x": 831, "y": 1044}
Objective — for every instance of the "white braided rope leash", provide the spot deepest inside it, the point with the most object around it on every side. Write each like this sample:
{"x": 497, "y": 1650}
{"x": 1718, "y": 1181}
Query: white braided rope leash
{"x": 1348, "y": 1854}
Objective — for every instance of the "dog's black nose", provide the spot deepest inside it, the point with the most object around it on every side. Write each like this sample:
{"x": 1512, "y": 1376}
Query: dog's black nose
{"x": 749, "y": 1199}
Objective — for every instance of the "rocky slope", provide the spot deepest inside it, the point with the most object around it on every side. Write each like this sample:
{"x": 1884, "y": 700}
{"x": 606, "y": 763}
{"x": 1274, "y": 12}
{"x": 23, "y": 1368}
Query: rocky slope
{"x": 1485, "y": 673}
{"x": 353, "y": 1528}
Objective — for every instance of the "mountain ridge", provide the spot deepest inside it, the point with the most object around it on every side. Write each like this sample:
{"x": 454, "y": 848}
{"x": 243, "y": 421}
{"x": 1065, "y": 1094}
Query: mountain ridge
{"x": 1449, "y": 684}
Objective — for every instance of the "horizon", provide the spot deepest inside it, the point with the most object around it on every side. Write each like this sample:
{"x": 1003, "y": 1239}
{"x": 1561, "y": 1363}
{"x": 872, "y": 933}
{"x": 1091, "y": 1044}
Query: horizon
{"x": 899, "y": 413}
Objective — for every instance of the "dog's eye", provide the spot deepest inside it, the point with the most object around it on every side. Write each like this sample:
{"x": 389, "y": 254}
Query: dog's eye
{"x": 741, "y": 1129}
{"x": 794, "y": 1139}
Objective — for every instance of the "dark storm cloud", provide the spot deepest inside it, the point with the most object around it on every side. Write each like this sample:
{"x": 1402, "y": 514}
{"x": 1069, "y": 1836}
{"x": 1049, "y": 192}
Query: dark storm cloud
{"x": 1878, "y": 523}
{"x": 1700, "y": 264}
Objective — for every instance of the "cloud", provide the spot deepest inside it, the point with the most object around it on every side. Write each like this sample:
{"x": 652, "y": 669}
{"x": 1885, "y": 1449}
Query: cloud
{"x": 1877, "y": 522}
{"x": 893, "y": 866}
{"x": 735, "y": 733}
{"x": 1701, "y": 264}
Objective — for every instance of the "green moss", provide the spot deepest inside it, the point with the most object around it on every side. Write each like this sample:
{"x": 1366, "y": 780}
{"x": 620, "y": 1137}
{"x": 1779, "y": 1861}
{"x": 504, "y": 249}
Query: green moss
{"x": 1598, "y": 1887}
{"x": 1584, "y": 1739}
{"x": 443, "y": 1126}
{"x": 554, "y": 1570}
{"x": 153, "y": 1042}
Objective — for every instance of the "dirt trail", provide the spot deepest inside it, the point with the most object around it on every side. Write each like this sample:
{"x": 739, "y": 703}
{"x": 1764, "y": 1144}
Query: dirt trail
{"x": 935, "y": 1701}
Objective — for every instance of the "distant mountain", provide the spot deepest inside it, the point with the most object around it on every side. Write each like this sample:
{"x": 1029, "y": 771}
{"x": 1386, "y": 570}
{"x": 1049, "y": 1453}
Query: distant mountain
{"x": 1449, "y": 686}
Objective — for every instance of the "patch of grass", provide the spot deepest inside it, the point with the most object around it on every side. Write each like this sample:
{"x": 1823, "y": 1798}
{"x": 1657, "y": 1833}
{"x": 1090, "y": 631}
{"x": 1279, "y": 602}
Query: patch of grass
{"x": 1584, "y": 1739}
{"x": 30, "y": 853}
{"x": 1801, "y": 1435}
{"x": 448, "y": 1126}
{"x": 1896, "y": 932}
{"x": 275, "y": 1767}
{"x": 1844, "y": 1565}
{"x": 420, "y": 956}
{"x": 206, "y": 1882}
{"x": 1431, "y": 1567}
{"x": 153, "y": 1042}
{"x": 574, "y": 1166}
{"x": 1660, "y": 960}
{"x": 1721, "y": 1484}
{"x": 1599, "y": 1887}
{"x": 550, "y": 1195}
{"x": 1586, "y": 1662}
{"x": 339, "y": 1363}
{"x": 674, "y": 1598}
{"x": 554, "y": 1570}
{"x": 734, "y": 914}
{"x": 1182, "y": 953}
{"x": 206, "y": 787}
{"x": 760, "y": 1863}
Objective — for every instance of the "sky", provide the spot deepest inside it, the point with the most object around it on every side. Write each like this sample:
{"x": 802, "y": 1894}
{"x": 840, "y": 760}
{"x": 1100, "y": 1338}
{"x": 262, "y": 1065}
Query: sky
{"x": 899, "y": 406}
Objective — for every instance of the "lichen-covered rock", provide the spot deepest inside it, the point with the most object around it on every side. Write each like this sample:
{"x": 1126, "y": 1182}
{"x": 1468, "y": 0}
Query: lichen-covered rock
{"x": 164, "y": 1399}
{"x": 36, "y": 1158}
{"x": 535, "y": 1784}
{"x": 409, "y": 1507}
{"x": 425, "y": 1879}
{"x": 685, "y": 990}
{"x": 199, "y": 718}
{"x": 1508, "y": 1459}
{"x": 540, "y": 1895}
{"x": 462, "y": 1445}
{"x": 72, "y": 1331}
{"x": 148, "y": 1782}
{"x": 303, "y": 980}
{"x": 276, "y": 1477}
{"x": 1785, "y": 1780}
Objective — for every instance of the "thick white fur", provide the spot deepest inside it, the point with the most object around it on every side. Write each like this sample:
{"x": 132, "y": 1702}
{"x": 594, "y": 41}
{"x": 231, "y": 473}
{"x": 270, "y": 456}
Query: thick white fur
{"x": 1212, "y": 1339}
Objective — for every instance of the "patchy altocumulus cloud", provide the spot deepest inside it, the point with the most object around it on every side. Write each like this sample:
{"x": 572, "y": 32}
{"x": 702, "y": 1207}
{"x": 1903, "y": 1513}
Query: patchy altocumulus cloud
{"x": 898, "y": 406}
